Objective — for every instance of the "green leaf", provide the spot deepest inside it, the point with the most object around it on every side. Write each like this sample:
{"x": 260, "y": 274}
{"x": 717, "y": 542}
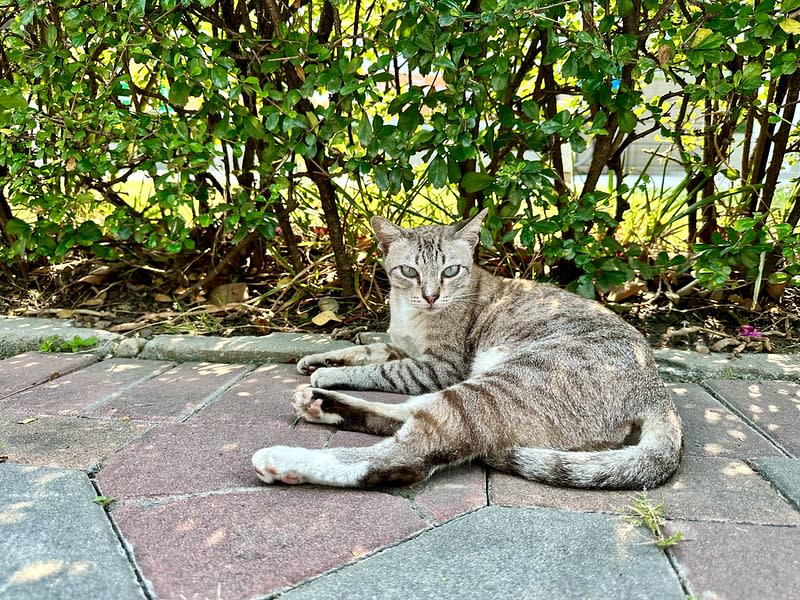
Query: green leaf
{"x": 253, "y": 128}
{"x": 381, "y": 178}
{"x": 179, "y": 92}
{"x": 13, "y": 100}
{"x": 437, "y": 172}
{"x": 790, "y": 26}
{"x": 409, "y": 119}
{"x": 219, "y": 77}
{"x": 474, "y": 182}
{"x": 18, "y": 228}
{"x": 788, "y": 6}
{"x": 364, "y": 131}
{"x": 627, "y": 120}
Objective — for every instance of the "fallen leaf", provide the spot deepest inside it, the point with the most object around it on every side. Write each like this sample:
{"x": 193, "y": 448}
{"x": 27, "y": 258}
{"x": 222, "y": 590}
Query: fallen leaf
{"x": 326, "y": 316}
{"x": 96, "y": 301}
{"x": 328, "y": 305}
{"x": 26, "y": 421}
{"x": 65, "y": 313}
{"x": 91, "y": 279}
{"x": 162, "y": 298}
{"x": 125, "y": 419}
{"x": 71, "y": 164}
{"x": 228, "y": 293}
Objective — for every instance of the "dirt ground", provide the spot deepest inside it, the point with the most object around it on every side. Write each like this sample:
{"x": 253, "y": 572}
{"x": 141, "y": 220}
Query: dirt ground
{"x": 142, "y": 301}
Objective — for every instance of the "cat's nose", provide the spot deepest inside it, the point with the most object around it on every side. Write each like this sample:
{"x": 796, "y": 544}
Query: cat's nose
{"x": 430, "y": 298}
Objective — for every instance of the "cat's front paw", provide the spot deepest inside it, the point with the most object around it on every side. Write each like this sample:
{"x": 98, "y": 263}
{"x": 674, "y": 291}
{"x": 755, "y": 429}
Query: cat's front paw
{"x": 279, "y": 463}
{"x": 307, "y": 404}
{"x": 327, "y": 378}
{"x": 311, "y": 363}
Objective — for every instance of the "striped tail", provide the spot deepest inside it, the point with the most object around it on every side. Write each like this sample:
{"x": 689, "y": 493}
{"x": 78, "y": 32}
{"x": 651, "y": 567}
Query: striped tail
{"x": 646, "y": 465}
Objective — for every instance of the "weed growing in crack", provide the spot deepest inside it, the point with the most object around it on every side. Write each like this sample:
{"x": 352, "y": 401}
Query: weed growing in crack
{"x": 644, "y": 511}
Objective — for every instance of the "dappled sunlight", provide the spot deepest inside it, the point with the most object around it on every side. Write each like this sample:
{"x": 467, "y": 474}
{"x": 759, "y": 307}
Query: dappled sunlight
{"x": 737, "y": 469}
{"x": 36, "y": 571}
{"x": 713, "y": 449}
{"x": 124, "y": 368}
{"x": 215, "y": 538}
{"x": 187, "y": 526}
{"x": 739, "y": 436}
{"x": 14, "y": 513}
{"x": 678, "y": 486}
{"x": 679, "y": 391}
{"x": 712, "y": 416}
{"x": 755, "y": 409}
{"x": 218, "y": 369}
{"x": 230, "y": 447}
{"x": 48, "y": 477}
{"x": 244, "y": 394}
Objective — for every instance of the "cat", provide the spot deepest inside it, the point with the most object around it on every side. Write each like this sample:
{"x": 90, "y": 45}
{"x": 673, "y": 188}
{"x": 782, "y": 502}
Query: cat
{"x": 526, "y": 377}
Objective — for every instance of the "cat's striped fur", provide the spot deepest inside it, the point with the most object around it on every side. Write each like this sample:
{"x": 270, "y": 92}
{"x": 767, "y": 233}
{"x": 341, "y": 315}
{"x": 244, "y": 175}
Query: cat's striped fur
{"x": 527, "y": 377}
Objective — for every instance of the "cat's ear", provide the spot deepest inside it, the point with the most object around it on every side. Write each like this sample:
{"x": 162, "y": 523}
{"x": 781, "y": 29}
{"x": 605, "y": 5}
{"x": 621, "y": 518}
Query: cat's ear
{"x": 385, "y": 232}
{"x": 470, "y": 229}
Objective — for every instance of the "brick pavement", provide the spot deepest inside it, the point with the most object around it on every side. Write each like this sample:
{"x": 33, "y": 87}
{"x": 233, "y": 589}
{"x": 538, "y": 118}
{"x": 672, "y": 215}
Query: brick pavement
{"x": 172, "y": 443}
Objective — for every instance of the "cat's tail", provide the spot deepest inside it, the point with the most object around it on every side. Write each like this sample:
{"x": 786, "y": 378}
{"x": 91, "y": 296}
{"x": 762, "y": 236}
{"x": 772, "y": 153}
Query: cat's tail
{"x": 645, "y": 465}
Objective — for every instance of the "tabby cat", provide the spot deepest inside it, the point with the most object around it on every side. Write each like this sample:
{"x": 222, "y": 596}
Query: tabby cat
{"x": 526, "y": 377}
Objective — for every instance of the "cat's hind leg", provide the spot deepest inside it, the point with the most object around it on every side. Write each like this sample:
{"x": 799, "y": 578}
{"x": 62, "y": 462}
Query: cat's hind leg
{"x": 350, "y": 412}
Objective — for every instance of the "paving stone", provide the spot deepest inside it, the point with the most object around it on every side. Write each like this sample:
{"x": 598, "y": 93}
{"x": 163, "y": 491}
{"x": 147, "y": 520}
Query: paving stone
{"x": 710, "y": 429}
{"x": 23, "y": 334}
{"x": 275, "y": 347}
{"x": 509, "y": 553}
{"x": 727, "y": 560}
{"x": 32, "y": 368}
{"x": 187, "y": 458}
{"x": 784, "y": 474}
{"x": 687, "y": 365}
{"x": 69, "y": 442}
{"x": 55, "y": 543}
{"x": 265, "y": 394}
{"x": 772, "y": 406}
{"x": 173, "y": 395}
{"x": 704, "y": 488}
{"x": 246, "y": 545}
{"x": 84, "y": 389}
{"x": 452, "y": 492}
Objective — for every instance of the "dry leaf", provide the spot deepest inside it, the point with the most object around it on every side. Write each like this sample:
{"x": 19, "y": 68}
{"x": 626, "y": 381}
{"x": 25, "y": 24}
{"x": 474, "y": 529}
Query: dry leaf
{"x": 326, "y": 316}
{"x": 26, "y": 421}
{"x": 91, "y": 279}
{"x": 98, "y": 300}
{"x": 125, "y": 419}
{"x": 618, "y": 293}
{"x": 283, "y": 282}
{"x": 71, "y": 164}
{"x": 328, "y": 304}
{"x": 228, "y": 293}
{"x": 162, "y": 298}
{"x": 65, "y": 313}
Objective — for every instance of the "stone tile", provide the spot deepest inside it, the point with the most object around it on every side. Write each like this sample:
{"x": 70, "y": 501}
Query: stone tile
{"x": 727, "y": 560}
{"x": 509, "y": 553}
{"x": 710, "y": 429}
{"x": 55, "y": 543}
{"x": 352, "y": 439}
{"x": 266, "y": 393}
{"x": 32, "y": 368}
{"x": 69, "y": 442}
{"x": 274, "y": 347}
{"x": 784, "y": 474}
{"x": 246, "y": 545}
{"x": 263, "y": 395}
{"x": 704, "y": 488}
{"x": 174, "y": 394}
{"x": 452, "y": 492}
{"x": 187, "y": 458}
{"x": 772, "y": 406}
{"x": 84, "y": 389}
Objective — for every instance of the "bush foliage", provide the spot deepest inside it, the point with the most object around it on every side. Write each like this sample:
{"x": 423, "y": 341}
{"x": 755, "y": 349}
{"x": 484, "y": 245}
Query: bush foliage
{"x": 172, "y": 128}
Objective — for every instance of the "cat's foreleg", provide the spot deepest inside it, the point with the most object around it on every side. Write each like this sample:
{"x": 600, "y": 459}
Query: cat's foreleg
{"x": 355, "y": 355}
{"x": 350, "y": 412}
{"x": 410, "y": 375}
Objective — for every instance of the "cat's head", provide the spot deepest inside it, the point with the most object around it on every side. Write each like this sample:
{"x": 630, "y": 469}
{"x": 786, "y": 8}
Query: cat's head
{"x": 429, "y": 266}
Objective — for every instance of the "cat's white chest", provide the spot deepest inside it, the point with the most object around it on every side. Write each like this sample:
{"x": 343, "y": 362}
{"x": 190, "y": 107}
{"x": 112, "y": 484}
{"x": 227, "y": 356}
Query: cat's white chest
{"x": 404, "y": 328}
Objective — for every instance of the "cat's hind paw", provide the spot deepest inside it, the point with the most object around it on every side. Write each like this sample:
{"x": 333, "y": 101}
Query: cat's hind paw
{"x": 277, "y": 464}
{"x": 307, "y": 404}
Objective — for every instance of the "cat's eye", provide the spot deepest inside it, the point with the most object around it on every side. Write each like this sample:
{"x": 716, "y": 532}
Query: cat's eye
{"x": 451, "y": 271}
{"x": 409, "y": 272}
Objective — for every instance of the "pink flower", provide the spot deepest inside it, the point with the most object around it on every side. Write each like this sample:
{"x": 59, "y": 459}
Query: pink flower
{"x": 749, "y": 331}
